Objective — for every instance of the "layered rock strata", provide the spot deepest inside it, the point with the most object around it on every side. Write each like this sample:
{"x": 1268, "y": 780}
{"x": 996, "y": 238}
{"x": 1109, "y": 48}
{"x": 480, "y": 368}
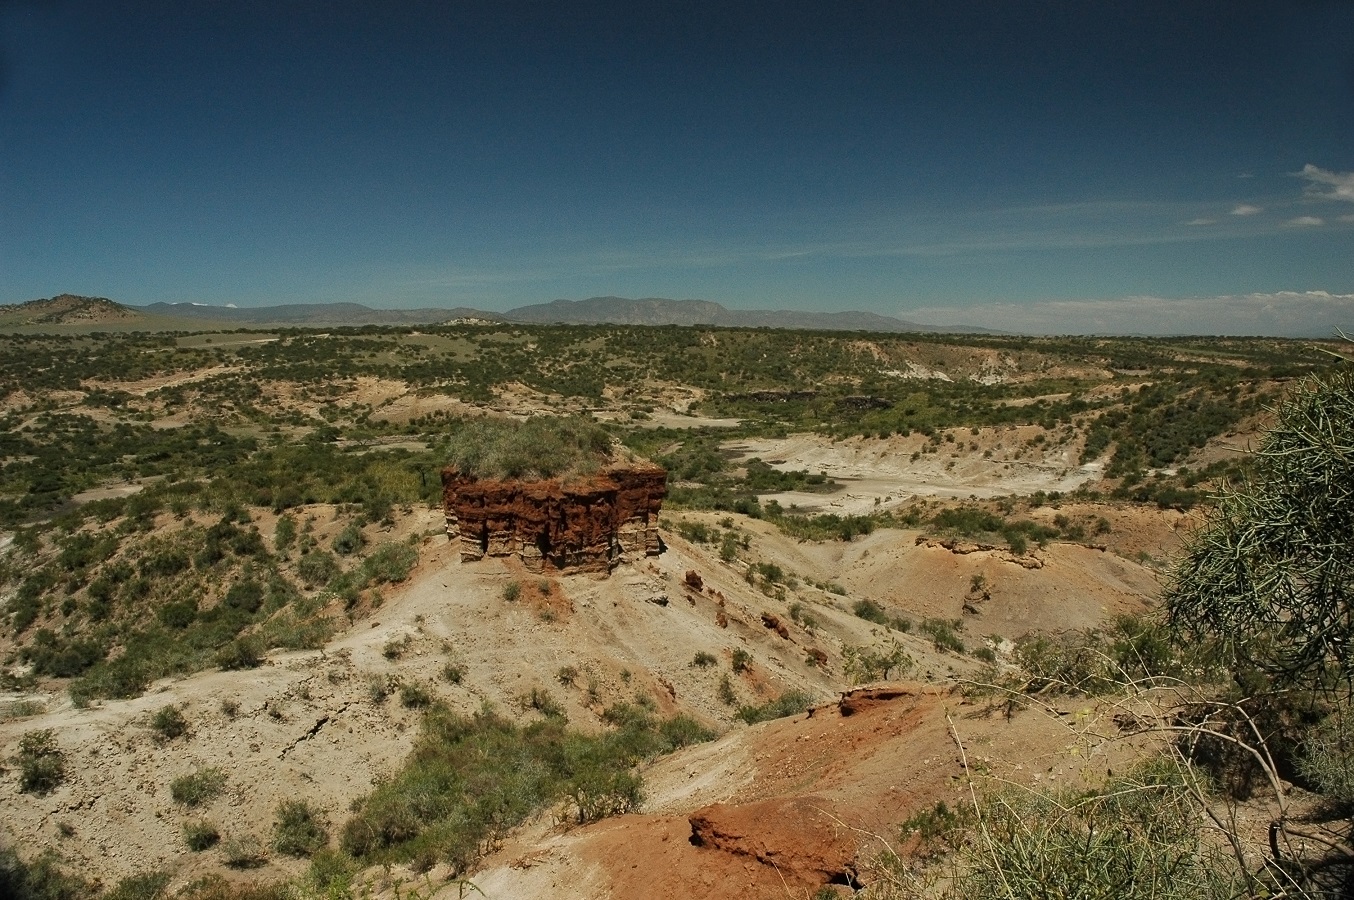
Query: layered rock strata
{"x": 588, "y": 523}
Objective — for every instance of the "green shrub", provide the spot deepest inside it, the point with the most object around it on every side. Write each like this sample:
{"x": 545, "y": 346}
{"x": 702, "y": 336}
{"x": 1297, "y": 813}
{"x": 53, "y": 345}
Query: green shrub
{"x": 541, "y": 447}
{"x": 350, "y": 540}
{"x": 299, "y": 829}
{"x": 861, "y": 664}
{"x": 317, "y": 567}
{"x": 121, "y": 678}
{"x": 414, "y": 695}
{"x": 396, "y": 647}
{"x": 469, "y": 780}
{"x": 703, "y": 659}
{"x": 22, "y": 709}
{"x": 178, "y": 615}
{"x": 1141, "y": 647}
{"x": 512, "y": 591}
{"x": 799, "y": 614}
{"x": 770, "y": 572}
{"x": 284, "y": 536}
{"x": 243, "y": 852}
{"x": 695, "y": 532}
{"x": 543, "y": 702}
{"x": 390, "y": 563}
{"x": 331, "y": 874}
{"x": 197, "y": 788}
{"x": 683, "y": 731}
{"x": 245, "y": 595}
{"x": 149, "y": 886}
{"x": 943, "y": 634}
{"x": 241, "y": 653}
{"x": 42, "y": 878}
{"x": 42, "y": 764}
{"x": 199, "y": 836}
{"x": 379, "y": 688}
{"x": 742, "y": 661}
{"x": 1137, "y": 838}
{"x": 215, "y": 887}
{"x": 968, "y": 521}
{"x": 1328, "y": 755}
{"x": 169, "y": 723}
{"x": 942, "y": 825}
{"x": 61, "y": 657}
{"x": 790, "y": 703}
{"x": 870, "y": 612}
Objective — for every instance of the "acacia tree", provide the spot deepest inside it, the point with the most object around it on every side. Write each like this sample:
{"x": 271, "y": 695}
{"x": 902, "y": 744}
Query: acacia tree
{"x": 1268, "y": 582}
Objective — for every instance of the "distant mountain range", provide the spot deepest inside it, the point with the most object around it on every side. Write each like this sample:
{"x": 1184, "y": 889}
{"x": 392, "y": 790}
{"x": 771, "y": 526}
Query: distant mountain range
{"x": 658, "y": 311}
{"x": 305, "y": 315}
{"x": 69, "y": 309}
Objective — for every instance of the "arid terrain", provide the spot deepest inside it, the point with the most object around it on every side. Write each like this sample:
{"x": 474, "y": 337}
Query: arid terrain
{"x": 247, "y": 529}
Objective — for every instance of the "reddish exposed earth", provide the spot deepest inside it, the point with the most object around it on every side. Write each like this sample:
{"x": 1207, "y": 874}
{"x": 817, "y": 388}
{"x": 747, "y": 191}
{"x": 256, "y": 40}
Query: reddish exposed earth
{"x": 579, "y": 524}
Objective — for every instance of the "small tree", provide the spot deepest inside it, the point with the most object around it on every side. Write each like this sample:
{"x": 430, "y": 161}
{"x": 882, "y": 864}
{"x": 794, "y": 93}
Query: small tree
{"x": 1268, "y": 581}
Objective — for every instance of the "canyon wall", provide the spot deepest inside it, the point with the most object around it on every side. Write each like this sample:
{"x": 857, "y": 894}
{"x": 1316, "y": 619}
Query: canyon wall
{"x": 588, "y": 523}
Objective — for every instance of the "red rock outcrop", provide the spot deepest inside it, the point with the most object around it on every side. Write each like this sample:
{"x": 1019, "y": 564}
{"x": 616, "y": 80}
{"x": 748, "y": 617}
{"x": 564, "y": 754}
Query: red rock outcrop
{"x": 793, "y": 835}
{"x": 587, "y": 523}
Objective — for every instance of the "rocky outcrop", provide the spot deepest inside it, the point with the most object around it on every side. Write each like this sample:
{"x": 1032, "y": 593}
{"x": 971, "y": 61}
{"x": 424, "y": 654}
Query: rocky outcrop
{"x": 587, "y": 523}
{"x": 796, "y": 836}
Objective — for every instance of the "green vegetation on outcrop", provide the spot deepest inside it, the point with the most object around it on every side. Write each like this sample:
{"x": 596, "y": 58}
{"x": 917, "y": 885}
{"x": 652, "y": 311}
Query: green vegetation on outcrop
{"x": 540, "y": 447}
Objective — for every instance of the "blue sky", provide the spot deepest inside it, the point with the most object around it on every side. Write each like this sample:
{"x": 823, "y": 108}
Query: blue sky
{"x": 1039, "y": 166}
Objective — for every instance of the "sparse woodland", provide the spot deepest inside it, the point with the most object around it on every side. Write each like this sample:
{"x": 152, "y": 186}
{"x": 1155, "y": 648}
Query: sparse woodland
{"x": 182, "y": 503}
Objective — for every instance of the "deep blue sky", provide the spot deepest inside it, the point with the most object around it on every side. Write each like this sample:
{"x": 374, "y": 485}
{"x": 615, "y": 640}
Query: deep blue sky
{"x": 949, "y": 161}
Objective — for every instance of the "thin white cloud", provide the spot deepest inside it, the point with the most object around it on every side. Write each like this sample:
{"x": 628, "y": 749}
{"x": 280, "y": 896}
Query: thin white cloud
{"x": 1202, "y": 222}
{"x": 1284, "y": 313}
{"x": 1347, "y": 218}
{"x": 1245, "y": 209}
{"x": 1305, "y": 221}
{"x": 1327, "y": 184}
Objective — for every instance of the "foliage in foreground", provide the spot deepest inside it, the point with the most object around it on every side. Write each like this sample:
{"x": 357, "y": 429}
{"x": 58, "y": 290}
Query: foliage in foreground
{"x": 1268, "y": 583}
{"x": 1097, "y": 661}
{"x": 469, "y": 780}
{"x": 1138, "y": 836}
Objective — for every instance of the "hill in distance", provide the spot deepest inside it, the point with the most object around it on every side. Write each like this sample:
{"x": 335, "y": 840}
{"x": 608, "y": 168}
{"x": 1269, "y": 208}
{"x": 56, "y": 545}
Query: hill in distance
{"x": 69, "y": 309}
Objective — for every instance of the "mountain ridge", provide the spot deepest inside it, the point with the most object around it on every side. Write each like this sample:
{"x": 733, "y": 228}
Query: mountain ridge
{"x": 662, "y": 311}
{"x": 71, "y": 309}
